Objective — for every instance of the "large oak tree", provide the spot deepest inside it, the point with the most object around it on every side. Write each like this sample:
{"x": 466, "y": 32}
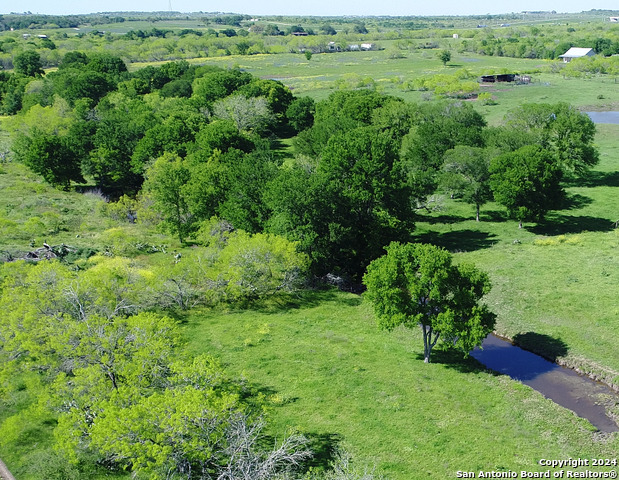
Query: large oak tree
{"x": 417, "y": 284}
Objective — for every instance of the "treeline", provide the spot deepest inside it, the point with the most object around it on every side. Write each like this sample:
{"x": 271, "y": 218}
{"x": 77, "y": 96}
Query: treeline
{"x": 536, "y": 42}
{"x": 185, "y": 144}
{"x": 33, "y": 22}
{"x": 241, "y": 35}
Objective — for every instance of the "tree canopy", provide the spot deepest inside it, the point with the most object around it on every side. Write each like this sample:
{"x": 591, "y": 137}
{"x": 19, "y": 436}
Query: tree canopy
{"x": 527, "y": 182}
{"x": 417, "y": 284}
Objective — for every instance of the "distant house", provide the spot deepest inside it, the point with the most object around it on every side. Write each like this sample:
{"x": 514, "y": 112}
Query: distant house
{"x": 367, "y": 46}
{"x": 576, "y": 52}
{"x": 614, "y": 19}
{"x": 353, "y": 47}
{"x": 332, "y": 47}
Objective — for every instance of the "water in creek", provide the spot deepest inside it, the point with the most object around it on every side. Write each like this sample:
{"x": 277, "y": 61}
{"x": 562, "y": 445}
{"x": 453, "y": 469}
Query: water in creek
{"x": 580, "y": 394}
{"x": 604, "y": 117}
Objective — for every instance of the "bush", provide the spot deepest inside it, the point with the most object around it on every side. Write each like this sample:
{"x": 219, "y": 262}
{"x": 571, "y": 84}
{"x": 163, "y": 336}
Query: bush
{"x": 486, "y": 98}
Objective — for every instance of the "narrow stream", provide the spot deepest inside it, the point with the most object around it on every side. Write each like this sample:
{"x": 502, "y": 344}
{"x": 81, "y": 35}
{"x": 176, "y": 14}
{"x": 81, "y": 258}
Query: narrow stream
{"x": 580, "y": 394}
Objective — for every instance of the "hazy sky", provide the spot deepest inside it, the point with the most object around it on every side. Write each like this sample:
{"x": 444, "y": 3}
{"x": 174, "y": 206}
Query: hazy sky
{"x": 307, "y": 7}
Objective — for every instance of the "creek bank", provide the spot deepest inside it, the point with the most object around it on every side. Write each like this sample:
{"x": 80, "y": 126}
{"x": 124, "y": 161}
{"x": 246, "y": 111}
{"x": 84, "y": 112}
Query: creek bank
{"x": 584, "y": 368}
{"x": 586, "y": 398}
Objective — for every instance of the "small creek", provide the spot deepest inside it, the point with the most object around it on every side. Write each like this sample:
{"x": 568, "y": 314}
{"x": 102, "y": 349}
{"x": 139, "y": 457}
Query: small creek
{"x": 604, "y": 117}
{"x": 580, "y": 394}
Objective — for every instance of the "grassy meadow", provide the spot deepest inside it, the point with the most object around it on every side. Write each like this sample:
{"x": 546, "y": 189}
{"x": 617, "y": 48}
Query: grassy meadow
{"x": 325, "y": 72}
{"x": 327, "y": 370}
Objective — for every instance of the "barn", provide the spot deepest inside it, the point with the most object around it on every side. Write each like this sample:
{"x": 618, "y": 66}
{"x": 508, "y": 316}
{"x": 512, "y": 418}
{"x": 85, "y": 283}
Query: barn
{"x": 576, "y": 52}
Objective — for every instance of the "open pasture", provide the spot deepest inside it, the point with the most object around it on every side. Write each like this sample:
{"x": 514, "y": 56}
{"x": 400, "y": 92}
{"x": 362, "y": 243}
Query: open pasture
{"x": 325, "y": 72}
{"x": 326, "y": 370}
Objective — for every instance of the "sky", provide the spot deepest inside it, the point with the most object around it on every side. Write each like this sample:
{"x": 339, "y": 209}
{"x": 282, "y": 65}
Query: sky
{"x": 308, "y": 7}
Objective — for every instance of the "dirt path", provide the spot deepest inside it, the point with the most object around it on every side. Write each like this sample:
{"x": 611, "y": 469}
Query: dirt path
{"x": 4, "y": 472}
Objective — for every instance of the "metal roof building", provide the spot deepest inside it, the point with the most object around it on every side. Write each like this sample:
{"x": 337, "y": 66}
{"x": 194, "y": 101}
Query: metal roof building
{"x": 576, "y": 52}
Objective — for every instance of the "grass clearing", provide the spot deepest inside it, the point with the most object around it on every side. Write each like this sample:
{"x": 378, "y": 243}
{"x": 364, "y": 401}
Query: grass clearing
{"x": 328, "y": 371}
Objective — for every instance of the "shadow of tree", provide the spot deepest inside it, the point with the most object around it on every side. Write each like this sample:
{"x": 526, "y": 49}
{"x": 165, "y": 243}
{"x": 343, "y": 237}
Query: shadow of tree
{"x": 307, "y": 298}
{"x": 594, "y": 179}
{"x": 576, "y": 201}
{"x": 324, "y": 447}
{"x": 454, "y": 359}
{"x": 493, "y": 216}
{"x": 557, "y": 224}
{"x": 442, "y": 219}
{"x": 544, "y": 345}
{"x": 458, "y": 241}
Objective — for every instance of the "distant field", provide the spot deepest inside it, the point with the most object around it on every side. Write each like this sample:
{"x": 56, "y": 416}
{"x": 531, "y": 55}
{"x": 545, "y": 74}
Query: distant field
{"x": 325, "y": 72}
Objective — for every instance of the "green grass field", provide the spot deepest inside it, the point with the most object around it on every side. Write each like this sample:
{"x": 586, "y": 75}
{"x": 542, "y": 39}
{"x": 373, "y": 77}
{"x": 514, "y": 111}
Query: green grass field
{"x": 328, "y": 371}
{"x": 323, "y": 73}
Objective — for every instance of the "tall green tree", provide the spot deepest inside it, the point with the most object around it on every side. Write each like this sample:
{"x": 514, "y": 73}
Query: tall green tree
{"x": 28, "y": 63}
{"x": 358, "y": 199}
{"x": 527, "y": 182}
{"x": 466, "y": 175}
{"x": 417, "y": 284}
{"x": 166, "y": 182}
{"x": 562, "y": 129}
{"x": 50, "y": 156}
{"x": 439, "y": 127}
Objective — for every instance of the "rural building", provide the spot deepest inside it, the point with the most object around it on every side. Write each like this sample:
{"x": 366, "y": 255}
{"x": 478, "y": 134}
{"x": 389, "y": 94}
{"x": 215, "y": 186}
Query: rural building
{"x": 576, "y": 52}
{"x": 456, "y": 36}
{"x": 504, "y": 77}
{"x": 367, "y": 46}
{"x": 614, "y": 19}
{"x": 332, "y": 47}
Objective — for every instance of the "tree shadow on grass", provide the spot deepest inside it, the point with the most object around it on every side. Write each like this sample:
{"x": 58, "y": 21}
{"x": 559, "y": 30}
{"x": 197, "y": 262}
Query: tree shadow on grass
{"x": 594, "y": 179}
{"x": 442, "y": 219}
{"x": 557, "y": 224}
{"x": 324, "y": 447}
{"x": 495, "y": 216}
{"x": 306, "y": 298}
{"x": 454, "y": 359}
{"x": 544, "y": 345}
{"x": 576, "y": 201}
{"x": 459, "y": 241}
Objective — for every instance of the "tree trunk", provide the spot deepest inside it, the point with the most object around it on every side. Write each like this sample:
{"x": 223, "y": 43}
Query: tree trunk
{"x": 520, "y": 224}
{"x": 427, "y": 343}
{"x": 477, "y": 213}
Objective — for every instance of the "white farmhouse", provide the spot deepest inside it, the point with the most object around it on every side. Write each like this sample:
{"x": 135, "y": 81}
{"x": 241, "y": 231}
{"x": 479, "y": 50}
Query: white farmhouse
{"x": 576, "y": 52}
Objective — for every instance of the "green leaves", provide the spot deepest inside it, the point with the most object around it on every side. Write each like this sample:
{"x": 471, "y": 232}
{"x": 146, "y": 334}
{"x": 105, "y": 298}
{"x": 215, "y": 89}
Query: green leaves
{"x": 563, "y": 130}
{"x": 417, "y": 284}
{"x": 527, "y": 182}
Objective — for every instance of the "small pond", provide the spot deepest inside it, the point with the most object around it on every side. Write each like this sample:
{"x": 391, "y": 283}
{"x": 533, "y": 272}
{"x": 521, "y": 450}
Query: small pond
{"x": 580, "y": 394}
{"x": 604, "y": 117}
